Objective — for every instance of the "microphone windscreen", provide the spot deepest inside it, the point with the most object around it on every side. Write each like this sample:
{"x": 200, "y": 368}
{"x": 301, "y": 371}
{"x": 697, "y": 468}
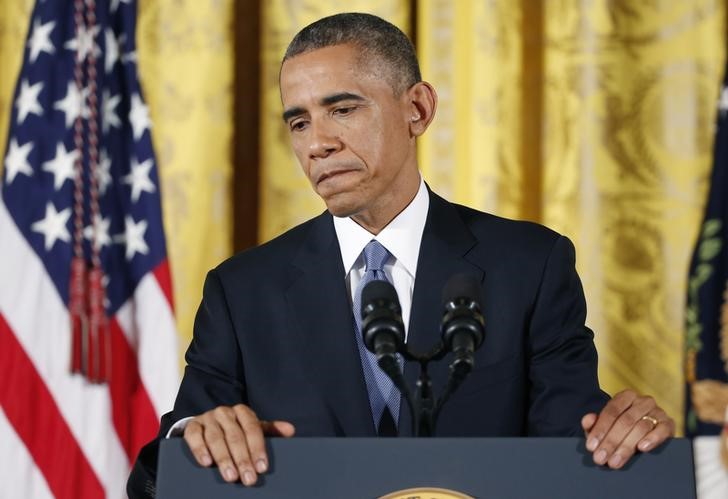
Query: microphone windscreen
{"x": 377, "y": 291}
{"x": 462, "y": 285}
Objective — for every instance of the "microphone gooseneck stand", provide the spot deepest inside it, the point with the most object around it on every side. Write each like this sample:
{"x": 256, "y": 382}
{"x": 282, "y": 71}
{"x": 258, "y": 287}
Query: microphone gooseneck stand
{"x": 424, "y": 406}
{"x": 462, "y": 333}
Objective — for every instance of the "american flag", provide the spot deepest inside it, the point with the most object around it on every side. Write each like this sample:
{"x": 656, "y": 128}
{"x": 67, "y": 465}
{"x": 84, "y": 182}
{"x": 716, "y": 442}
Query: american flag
{"x": 80, "y": 395}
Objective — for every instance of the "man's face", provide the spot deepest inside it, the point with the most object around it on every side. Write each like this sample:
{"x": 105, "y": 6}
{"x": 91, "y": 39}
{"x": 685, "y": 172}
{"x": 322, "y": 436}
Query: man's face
{"x": 350, "y": 133}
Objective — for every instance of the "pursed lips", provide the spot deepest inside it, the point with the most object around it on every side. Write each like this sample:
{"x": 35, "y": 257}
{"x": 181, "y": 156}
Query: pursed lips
{"x": 332, "y": 173}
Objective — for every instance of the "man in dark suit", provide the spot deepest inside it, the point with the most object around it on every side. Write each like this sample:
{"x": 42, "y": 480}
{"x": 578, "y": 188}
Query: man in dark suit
{"x": 275, "y": 347}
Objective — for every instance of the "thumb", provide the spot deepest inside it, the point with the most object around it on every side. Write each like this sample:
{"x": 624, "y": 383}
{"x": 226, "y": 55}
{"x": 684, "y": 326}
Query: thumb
{"x": 278, "y": 428}
{"x": 587, "y": 422}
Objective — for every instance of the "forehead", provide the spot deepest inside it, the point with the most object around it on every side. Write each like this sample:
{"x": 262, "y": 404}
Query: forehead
{"x": 321, "y": 72}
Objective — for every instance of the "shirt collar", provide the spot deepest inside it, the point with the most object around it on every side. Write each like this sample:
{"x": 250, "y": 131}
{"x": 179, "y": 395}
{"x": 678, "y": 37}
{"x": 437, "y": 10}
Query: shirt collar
{"x": 402, "y": 236}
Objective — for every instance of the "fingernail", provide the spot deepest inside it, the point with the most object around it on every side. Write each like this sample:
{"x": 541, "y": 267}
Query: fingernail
{"x": 592, "y": 443}
{"x": 261, "y": 466}
{"x": 206, "y": 460}
{"x": 230, "y": 474}
{"x": 248, "y": 478}
{"x": 645, "y": 444}
{"x": 615, "y": 460}
{"x": 600, "y": 457}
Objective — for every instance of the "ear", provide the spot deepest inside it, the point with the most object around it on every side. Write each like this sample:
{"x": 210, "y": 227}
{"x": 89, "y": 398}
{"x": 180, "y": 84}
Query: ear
{"x": 422, "y": 104}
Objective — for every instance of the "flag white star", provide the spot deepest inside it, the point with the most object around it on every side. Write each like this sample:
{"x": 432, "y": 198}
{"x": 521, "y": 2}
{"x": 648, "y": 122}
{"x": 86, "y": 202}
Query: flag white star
{"x": 40, "y": 40}
{"x": 139, "y": 116}
{"x": 115, "y": 4}
{"x": 139, "y": 179}
{"x": 723, "y": 100}
{"x": 17, "y": 160}
{"x": 102, "y": 231}
{"x": 111, "y": 54}
{"x": 103, "y": 172}
{"x": 61, "y": 166}
{"x": 28, "y": 100}
{"x": 53, "y": 226}
{"x": 108, "y": 114}
{"x": 129, "y": 57}
{"x": 133, "y": 237}
{"x": 73, "y": 104}
{"x": 84, "y": 42}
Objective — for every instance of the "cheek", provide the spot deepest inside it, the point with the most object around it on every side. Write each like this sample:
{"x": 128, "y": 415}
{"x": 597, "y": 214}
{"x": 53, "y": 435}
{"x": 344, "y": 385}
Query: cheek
{"x": 385, "y": 152}
{"x": 300, "y": 152}
{"x": 370, "y": 145}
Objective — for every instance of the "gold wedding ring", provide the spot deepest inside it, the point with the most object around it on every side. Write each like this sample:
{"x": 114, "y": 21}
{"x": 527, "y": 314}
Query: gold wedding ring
{"x": 652, "y": 420}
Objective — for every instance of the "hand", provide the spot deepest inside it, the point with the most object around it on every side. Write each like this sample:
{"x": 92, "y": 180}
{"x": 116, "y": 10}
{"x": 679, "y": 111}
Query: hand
{"x": 626, "y": 425}
{"x": 232, "y": 438}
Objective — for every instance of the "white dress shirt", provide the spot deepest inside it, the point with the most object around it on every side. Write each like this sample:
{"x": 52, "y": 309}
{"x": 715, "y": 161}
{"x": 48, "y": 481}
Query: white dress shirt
{"x": 401, "y": 237}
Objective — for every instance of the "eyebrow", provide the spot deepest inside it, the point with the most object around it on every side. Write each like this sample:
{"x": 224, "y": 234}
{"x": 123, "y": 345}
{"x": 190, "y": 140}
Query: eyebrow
{"x": 326, "y": 101}
{"x": 292, "y": 113}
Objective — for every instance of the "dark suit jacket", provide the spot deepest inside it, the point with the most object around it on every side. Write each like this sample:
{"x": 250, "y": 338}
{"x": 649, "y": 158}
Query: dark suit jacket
{"x": 275, "y": 331}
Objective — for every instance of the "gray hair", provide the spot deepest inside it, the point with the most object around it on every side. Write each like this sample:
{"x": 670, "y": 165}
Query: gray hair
{"x": 372, "y": 35}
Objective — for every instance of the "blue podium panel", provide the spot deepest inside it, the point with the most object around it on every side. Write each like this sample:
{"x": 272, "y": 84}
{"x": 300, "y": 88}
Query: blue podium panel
{"x": 493, "y": 468}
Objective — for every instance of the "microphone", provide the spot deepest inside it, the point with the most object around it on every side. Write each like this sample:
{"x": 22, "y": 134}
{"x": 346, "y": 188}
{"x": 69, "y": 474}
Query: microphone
{"x": 382, "y": 327}
{"x": 383, "y": 333}
{"x": 463, "y": 326}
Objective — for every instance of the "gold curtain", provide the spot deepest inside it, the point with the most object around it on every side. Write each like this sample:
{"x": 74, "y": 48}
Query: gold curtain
{"x": 185, "y": 53}
{"x": 186, "y": 69}
{"x": 14, "y": 18}
{"x": 472, "y": 52}
{"x": 286, "y": 197}
{"x": 595, "y": 118}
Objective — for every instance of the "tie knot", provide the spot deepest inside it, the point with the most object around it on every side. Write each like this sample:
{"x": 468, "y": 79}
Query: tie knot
{"x": 375, "y": 255}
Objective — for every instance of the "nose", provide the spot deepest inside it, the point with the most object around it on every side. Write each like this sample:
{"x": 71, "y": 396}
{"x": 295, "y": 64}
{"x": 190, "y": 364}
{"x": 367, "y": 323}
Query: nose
{"x": 324, "y": 140}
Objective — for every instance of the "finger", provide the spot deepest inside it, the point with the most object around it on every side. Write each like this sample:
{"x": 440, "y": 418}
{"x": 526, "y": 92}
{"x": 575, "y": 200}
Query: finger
{"x": 236, "y": 439}
{"x": 252, "y": 428}
{"x": 278, "y": 428}
{"x": 623, "y": 425}
{"x": 628, "y": 446}
{"x": 256, "y": 440}
{"x": 196, "y": 443}
{"x": 608, "y": 416}
{"x": 665, "y": 429}
{"x": 215, "y": 440}
{"x": 587, "y": 422}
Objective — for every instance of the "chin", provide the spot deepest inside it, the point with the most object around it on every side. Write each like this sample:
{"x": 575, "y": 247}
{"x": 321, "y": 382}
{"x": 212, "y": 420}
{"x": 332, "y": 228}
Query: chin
{"x": 340, "y": 208}
{"x": 340, "y": 212}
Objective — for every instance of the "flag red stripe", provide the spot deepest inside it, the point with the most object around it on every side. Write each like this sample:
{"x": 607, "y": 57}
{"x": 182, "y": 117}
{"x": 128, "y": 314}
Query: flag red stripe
{"x": 134, "y": 418}
{"x": 31, "y": 410}
{"x": 161, "y": 272}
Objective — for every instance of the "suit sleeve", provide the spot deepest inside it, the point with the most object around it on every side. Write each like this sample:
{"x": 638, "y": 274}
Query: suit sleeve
{"x": 563, "y": 358}
{"x": 213, "y": 376}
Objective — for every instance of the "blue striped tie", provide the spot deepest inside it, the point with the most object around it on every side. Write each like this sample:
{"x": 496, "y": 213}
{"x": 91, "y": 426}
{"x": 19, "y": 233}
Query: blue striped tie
{"x": 382, "y": 392}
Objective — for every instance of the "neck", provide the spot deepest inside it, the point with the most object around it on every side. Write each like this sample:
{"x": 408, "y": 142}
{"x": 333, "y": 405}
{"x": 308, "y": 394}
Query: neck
{"x": 375, "y": 220}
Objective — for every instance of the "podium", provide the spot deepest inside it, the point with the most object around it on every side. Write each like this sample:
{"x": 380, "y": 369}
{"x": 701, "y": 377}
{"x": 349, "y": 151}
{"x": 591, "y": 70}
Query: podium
{"x": 487, "y": 468}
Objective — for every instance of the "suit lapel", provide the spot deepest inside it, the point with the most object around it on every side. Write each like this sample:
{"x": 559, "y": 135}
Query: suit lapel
{"x": 446, "y": 241}
{"x": 320, "y": 307}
